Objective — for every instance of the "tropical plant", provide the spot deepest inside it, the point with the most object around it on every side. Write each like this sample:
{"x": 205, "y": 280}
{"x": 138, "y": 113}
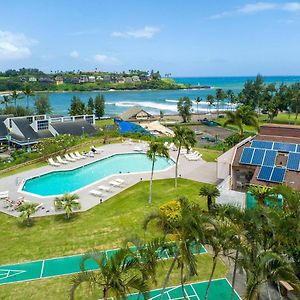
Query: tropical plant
{"x": 15, "y": 96}
{"x": 184, "y": 107}
{"x": 210, "y": 100}
{"x": 28, "y": 93}
{"x": 211, "y": 192}
{"x": 260, "y": 193}
{"x": 231, "y": 97}
{"x": 155, "y": 149}
{"x": 220, "y": 96}
{"x": 183, "y": 137}
{"x": 27, "y": 209}
{"x": 5, "y": 100}
{"x": 242, "y": 116}
{"x": 90, "y": 106}
{"x": 67, "y": 202}
{"x": 198, "y": 100}
{"x": 42, "y": 105}
{"x": 99, "y": 106}
{"x": 116, "y": 276}
{"x": 185, "y": 233}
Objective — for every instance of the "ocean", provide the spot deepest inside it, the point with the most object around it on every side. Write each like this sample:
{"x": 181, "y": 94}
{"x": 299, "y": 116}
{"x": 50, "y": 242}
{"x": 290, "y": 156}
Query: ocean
{"x": 155, "y": 101}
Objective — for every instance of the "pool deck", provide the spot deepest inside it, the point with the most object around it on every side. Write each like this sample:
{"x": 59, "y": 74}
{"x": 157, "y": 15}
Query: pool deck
{"x": 195, "y": 170}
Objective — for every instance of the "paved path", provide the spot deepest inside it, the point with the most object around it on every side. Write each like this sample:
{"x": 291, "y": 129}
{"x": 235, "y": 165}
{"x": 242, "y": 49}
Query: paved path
{"x": 195, "y": 170}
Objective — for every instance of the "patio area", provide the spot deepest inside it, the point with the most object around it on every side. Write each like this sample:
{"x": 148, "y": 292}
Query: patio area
{"x": 194, "y": 170}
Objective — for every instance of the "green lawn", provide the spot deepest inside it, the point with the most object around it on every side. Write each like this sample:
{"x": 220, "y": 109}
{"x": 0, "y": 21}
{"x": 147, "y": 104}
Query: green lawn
{"x": 103, "y": 123}
{"x": 282, "y": 118}
{"x": 105, "y": 226}
{"x": 209, "y": 155}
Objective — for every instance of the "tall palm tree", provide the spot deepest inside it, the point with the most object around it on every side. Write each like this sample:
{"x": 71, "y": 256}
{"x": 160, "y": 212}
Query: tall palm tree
{"x": 220, "y": 96}
{"x": 231, "y": 97}
{"x": 27, "y": 209}
{"x": 211, "y": 192}
{"x": 242, "y": 117}
{"x": 15, "y": 96}
{"x": 155, "y": 149}
{"x": 210, "y": 100}
{"x": 67, "y": 202}
{"x": 185, "y": 233}
{"x": 116, "y": 276}
{"x": 183, "y": 136}
{"x": 28, "y": 92}
{"x": 198, "y": 100}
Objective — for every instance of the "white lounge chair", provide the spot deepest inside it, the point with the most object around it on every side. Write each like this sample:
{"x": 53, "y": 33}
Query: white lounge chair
{"x": 53, "y": 163}
{"x": 61, "y": 161}
{"x": 68, "y": 158}
{"x": 115, "y": 183}
{"x": 96, "y": 150}
{"x": 96, "y": 193}
{"x": 72, "y": 155}
{"x": 138, "y": 149}
{"x": 120, "y": 180}
{"x": 4, "y": 195}
{"x": 104, "y": 188}
{"x": 79, "y": 155}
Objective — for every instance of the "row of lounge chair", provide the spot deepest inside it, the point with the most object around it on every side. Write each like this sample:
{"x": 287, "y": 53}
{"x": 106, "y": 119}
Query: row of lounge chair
{"x": 195, "y": 155}
{"x": 103, "y": 188}
{"x": 71, "y": 157}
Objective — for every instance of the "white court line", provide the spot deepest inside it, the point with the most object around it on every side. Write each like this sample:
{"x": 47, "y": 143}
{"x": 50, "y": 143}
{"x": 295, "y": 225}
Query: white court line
{"x": 194, "y": 291}
{"x": 42, "y": 269}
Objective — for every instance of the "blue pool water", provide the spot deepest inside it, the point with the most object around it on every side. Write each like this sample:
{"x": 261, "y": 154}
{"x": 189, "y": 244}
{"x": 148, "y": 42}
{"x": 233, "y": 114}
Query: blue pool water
{"x": 60, "y": 182}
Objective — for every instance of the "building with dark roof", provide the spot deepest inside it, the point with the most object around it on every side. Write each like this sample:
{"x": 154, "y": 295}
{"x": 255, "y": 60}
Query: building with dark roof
{"x": 272, "y": 157}
{"x": 136, "y": 114}
{"x": 28, "y": 130}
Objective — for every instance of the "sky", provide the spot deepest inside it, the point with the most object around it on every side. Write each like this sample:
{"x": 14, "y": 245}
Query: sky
{"x": 184, "y": 38}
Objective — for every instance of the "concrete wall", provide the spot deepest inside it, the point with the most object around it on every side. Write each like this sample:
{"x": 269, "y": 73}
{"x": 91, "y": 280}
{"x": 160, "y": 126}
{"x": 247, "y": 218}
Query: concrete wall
{"x": 224, "y": 164}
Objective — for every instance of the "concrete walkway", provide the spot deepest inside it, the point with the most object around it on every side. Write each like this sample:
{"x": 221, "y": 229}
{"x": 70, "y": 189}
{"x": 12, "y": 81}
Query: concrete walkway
{"x": 194, "y": 170}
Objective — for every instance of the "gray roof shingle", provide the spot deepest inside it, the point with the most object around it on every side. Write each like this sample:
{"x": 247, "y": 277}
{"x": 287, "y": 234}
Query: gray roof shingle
{"x": 74, "y": 128}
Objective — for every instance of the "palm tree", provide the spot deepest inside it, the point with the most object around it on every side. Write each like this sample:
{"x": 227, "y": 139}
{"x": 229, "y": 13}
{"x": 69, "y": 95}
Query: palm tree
{"x": 27, "y": 209}
{"x": 198, "y": 100}
{"x": 242, "y": 116}
{"x": 260, "y": 193}
{"x": 211, "y": 192}
{"x": 15, "y": 96}
{"x": 5, "y": 100}
{"x": 183, "y": 136}
{"x": 231, "y": 97}
{"x": 67, "y": 202}
{"x": 185, "y": 233}
{"x": 155, "y": 149}
{"x": 218, "y": 237}
{"x": 210, "y": 100}
{"x": 116, "y": 276}
{"x": 220, "y": 96}
{"x": 28, "y": 93}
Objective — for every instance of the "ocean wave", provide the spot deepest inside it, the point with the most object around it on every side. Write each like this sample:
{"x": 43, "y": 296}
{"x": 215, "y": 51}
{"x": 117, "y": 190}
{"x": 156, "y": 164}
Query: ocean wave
{"x": 173, "y": 101}
{"x": 148, "y": 104}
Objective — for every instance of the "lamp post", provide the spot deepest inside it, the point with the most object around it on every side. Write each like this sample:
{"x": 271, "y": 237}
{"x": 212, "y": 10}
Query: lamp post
{"x": 28, "y": 145}
{"x": 82, "y": 131}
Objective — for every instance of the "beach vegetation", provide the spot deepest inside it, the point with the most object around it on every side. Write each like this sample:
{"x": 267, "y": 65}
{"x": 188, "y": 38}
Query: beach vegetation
{"x": 77, "y": 107}
{"x": 28, "y": 92}
{"x": 27, "y": 209}
{"x": 184, "y": 108}
{"x": 99, "y": 106}
{"x": 42, "y": 105}
{"x": 67, "y": 202}
{"x": 211, "y": 192}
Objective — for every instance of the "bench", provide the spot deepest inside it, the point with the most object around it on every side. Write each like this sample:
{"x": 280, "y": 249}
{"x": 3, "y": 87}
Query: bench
{"x": 285, "y": 288}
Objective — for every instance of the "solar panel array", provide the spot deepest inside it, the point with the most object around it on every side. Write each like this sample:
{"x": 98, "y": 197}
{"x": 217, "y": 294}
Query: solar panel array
{"x": 264, "y": 153}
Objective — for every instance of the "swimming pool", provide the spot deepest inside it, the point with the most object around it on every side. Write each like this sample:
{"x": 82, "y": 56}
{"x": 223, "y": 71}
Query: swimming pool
{"x": 60, "y": 182}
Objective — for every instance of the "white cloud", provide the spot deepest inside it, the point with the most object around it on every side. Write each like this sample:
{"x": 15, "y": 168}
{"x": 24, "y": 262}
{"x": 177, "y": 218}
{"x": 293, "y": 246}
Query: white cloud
{"x": 251, "y": 8}
{"x": 74, "y": 54}
{"x": 105, "y": 59}
{"x": 15, "y": 45}
{"x": 144, "y": 33}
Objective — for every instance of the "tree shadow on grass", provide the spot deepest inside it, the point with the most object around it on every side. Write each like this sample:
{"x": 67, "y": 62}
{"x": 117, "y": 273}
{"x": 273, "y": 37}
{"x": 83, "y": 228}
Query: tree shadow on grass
{"x": 61, "y": 218}
{"x": 23, "y": 224}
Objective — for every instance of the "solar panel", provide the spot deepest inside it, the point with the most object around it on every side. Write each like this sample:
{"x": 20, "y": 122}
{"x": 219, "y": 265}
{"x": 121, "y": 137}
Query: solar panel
{"x": 293, "y": 162}
{"x": 258, "y": 157}
{"x": 278, "y": 175}
{"x": 262, "y": 144}
{"x": 265, "y": 173}
{"x": 285, "y": 147}
{"x": 298, "y": 148}
{"x": 270, "y": 157}
{"x": 246, "y": 156}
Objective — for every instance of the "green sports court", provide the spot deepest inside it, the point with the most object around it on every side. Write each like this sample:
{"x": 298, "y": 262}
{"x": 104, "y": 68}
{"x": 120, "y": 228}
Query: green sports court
{"x": 220, "y": 289}
{"x": 59, "y": 266}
